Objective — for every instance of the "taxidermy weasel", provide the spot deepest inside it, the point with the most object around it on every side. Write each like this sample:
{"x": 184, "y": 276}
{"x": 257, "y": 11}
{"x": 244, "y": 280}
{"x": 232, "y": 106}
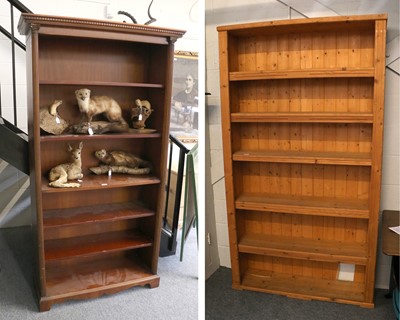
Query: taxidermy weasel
{"x": 121, "y": 158}
{"x": 95, "y": 105}
{"x": 60, "y": 174}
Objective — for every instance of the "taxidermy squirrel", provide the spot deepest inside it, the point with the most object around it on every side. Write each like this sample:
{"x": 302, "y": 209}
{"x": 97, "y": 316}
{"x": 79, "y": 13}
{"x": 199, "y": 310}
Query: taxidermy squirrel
{"x": 60, "y": 174}
{"x": 121, "y": 158}
{"x": 95, "y": 105}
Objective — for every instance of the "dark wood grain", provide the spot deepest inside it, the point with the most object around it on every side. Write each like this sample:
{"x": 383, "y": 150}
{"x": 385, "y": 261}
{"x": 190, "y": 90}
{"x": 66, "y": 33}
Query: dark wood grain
{"x": 95, "y": 244}
{"x": 85, "y": 236}
{"x": 101, "y": 272}
{"x": 95, "y": 182}
{"x": 90, "y": 214}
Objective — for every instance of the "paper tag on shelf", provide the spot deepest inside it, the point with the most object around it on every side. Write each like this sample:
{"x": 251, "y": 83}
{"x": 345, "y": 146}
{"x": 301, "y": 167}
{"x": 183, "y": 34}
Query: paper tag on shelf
{"x": 395, "y": 229}
{"x": 90, "y": 131}
{"x": 346, "y": 271}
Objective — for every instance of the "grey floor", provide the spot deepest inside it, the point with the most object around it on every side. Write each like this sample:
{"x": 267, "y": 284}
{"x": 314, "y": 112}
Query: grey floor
{"x": 222, "y": 302}
{"x": 175, "y": 298}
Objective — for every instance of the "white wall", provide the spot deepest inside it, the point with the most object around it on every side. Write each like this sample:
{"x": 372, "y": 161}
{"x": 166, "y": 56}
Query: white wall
{"x": 176, "y": 14}
{"x": 219, "y": 12}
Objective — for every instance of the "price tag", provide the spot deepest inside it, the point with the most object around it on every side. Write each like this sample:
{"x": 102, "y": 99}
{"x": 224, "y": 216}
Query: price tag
{"x": 90, "y": 130}
{"x": 140, "y": 117}
{"x": 109, "y": 172}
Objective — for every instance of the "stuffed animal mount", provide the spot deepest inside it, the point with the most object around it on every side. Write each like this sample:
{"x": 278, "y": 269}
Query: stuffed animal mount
{"x": 140, "y": 113}
{"x": 50, "y": 120}
{"x": 96, "y": 105}
{"x": 99, "y": 127}
{"x": 120, "y": 162}
{"x": 59, "y": 175}
{"x": 92, "y": 106}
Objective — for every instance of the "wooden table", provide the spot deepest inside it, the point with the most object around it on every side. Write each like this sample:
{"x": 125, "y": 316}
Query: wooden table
{"x": 391, "y": 244}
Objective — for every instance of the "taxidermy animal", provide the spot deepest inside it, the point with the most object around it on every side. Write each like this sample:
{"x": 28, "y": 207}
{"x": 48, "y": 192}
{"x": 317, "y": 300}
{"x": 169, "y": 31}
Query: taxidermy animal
{"x": 121, "y": 158}
{"x": 93, "y": 106}
{"x": 50, "y": 121}
{"x": 140, "y": 113}
{"x": 60, "y": 174}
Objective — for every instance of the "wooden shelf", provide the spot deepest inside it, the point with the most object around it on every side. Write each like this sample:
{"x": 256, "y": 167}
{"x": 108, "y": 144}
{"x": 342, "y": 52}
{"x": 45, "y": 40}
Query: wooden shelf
{"x": 102, "y": 83}
{"x": 95, "y": 244}
{"x": 103, "y": 272}
{"x": 304, "y": 248}
{"x": 96, "y": 182}
{"x": 108, "y": 136}
{"x": 309, "y": 157}
{"x": 304, "y": 73}
{"x": 306, "y": 117}
{"x": 328, "y": 207}
{"x": 85, "y": 237}
{"x": 91, "y": 214}
{"x": 304, "y": 287}
{"x": 302, "y": 127}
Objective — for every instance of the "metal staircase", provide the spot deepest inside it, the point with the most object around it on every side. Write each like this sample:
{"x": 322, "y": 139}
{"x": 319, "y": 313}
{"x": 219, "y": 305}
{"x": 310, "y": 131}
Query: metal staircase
{"x": 14, "y": 146}
{"x": 13, "y": 142}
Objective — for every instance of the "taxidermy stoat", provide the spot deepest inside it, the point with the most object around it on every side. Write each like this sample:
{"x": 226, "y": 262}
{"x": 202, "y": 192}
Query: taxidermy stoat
{"x": 95, "y": 105}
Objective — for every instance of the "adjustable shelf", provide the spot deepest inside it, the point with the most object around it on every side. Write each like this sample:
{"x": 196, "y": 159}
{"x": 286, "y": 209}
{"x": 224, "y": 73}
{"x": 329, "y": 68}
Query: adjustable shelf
{"x": 102, "y": 83}
{"x": 98, "y": 213}
{"x": 309, "y": 157}
{"x": 114, "y": 136}
{"x": 303, "y": 74}
{"x": 94, "y": 182}
{"x": 306, "y": 117}
{"x": 302, "y": 126}
{"x": 95, "y": 244}
{"x": 303, "y": 248}
{"x": 328, "y": 207}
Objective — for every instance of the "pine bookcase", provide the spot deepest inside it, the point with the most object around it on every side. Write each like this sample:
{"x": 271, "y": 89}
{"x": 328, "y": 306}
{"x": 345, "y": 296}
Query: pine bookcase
{"x": 302, "y": 119}
{"x": 103, "y": 237}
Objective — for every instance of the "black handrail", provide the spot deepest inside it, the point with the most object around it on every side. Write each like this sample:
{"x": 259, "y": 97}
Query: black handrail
{"x": 20, "y": 6}
{"x": 9, "y": 36}
{"x": 171, "y": 232}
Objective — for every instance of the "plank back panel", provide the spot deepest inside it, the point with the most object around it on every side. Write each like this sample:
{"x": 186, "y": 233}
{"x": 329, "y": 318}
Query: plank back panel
{"x": 317, "y": 49}
{"x": 303, "y": 102}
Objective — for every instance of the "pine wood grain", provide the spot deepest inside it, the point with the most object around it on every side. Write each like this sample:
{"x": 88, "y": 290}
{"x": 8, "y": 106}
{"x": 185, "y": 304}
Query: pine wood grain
{"x": 310, "y": 117}
{"x": 332, "y": 207}
{"x": 342, "y": 158}
{"x": 303, "y": 74}
{"x": 302, "y": 105}
{"x": 304, "y": 287}
{"x": 303, "y": 248}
